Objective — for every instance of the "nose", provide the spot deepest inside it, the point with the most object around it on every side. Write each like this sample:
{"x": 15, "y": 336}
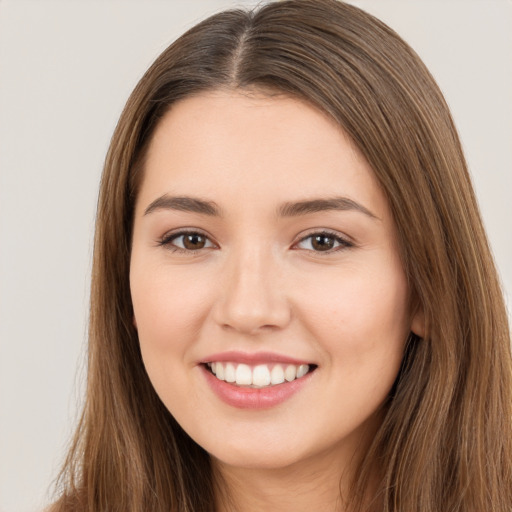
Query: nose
{"x": 252, "y": 297}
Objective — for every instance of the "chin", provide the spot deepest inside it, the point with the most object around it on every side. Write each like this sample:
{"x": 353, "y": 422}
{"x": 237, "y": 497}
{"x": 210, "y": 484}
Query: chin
{"x": 256, "y": 460}
{"x": 262, "y": 453}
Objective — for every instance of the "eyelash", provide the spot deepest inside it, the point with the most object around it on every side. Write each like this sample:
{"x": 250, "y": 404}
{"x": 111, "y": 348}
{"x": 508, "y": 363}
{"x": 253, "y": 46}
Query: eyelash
{"x": 168, "y": 239}
{"x": 343, "y": 242}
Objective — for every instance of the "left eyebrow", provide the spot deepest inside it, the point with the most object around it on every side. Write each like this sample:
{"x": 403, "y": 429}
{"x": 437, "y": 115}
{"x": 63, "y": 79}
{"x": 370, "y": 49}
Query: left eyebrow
{"x": 184, "y": 204}
{"x": 293, "y": 209}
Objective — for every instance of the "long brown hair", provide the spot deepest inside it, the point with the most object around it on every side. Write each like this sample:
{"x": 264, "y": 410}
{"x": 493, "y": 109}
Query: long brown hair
{"x": 445, "y": 443}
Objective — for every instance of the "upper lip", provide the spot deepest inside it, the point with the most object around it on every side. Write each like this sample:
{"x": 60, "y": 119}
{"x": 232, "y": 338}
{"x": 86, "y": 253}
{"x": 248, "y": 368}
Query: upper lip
{"x": 252, "y": 358}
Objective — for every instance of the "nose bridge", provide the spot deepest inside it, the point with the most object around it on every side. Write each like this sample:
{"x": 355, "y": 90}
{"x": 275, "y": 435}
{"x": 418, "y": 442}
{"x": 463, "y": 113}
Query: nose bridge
{"x": 252, "y": 295}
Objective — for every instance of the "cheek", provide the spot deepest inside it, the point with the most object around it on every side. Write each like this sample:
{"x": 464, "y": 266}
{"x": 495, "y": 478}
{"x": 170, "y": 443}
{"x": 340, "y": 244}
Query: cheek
{"x": 360, "y": 318}
{"x": 168, "y": 306}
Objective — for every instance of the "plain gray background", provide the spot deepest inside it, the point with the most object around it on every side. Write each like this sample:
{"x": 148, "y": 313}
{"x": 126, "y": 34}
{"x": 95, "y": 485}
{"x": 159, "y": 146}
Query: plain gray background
{"x": 66, "y": 69}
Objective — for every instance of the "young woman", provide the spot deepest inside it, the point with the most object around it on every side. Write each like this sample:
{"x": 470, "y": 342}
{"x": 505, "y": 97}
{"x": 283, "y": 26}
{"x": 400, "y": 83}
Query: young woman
{"x": 294, "y": 306}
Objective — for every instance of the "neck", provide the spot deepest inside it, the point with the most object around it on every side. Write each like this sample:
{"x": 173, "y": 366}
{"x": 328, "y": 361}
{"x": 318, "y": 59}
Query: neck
{"x": 301, "y": 487}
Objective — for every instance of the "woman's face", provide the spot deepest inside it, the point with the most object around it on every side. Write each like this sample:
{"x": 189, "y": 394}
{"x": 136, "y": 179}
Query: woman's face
{"x": 265, "y": 251}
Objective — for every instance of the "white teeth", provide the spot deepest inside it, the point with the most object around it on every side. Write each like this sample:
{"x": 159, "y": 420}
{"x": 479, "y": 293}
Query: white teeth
{"x": 302, "y": 370}
{"x": 243, "y": 375}
{"x": 261, "y": 375}
{"x": 290, "y": 373}
{"x": 277, "y": 374}
{"x": 219, "y": 371}
{"x": 258, "y": 376}
{"x": 230, "y": 373}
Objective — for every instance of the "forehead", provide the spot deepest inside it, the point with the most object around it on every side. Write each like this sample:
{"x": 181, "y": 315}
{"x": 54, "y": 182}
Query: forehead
{"x": 233, "y": 144}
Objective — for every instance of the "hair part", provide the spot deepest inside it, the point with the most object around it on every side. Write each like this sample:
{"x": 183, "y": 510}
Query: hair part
{"x": 446, "y": 439}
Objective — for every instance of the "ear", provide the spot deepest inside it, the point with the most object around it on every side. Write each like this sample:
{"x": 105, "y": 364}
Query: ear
{"x": 134, "y": 321}
{"x": 418, "y": 321}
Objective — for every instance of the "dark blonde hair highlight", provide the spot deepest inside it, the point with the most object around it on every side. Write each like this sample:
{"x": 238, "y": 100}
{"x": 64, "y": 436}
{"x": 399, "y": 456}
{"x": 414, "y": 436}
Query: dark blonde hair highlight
{"x": 446, "y": 439}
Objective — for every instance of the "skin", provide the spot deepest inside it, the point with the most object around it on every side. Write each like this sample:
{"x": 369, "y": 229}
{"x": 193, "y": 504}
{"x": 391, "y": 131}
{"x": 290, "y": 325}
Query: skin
{"x": 259, "y": 284}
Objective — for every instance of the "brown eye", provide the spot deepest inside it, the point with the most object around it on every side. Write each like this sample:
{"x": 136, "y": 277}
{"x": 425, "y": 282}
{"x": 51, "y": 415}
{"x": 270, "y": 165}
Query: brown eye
{"x": 322, "y": 242}
{"x": 186, "y": 241}
{"x": 194, "y": 241}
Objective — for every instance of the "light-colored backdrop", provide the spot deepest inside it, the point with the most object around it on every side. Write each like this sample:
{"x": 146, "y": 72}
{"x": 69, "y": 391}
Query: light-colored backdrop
{"x": 66, "y": 69}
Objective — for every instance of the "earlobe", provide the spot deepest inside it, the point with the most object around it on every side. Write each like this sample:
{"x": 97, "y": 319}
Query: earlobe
{"x": 418, "y": 322}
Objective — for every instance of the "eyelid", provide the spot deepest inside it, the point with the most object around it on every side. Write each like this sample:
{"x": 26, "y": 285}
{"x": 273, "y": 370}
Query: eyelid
{"x": 166, "y": 239}
{"x": 344, "y": 241}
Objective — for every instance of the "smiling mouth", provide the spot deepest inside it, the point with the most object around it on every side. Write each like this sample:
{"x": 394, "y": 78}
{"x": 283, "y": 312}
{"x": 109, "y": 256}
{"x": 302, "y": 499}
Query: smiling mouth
{"x": 258, "y": 376}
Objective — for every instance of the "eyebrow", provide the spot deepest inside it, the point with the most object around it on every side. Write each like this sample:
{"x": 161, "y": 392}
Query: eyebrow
{"x": 184, "y": 204}
{"x": 294, "y": 209}
{"x": 288, "y": 209}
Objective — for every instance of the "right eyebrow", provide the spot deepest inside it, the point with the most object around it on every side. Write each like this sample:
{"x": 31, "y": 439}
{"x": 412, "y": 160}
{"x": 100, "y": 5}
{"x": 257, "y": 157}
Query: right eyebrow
{"x": 184, "y": 204}
{"x": 310, "y": 206}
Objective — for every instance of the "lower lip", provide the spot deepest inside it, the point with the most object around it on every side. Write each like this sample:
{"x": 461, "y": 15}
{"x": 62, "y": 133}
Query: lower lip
{"x": 254, "y": 398}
